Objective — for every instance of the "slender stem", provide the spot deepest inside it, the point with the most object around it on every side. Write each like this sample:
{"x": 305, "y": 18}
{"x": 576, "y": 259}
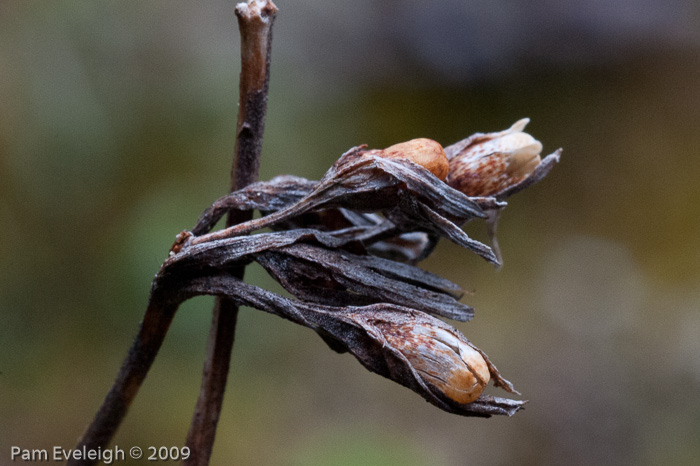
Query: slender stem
{"x": 159, "y": 315}
{"x": 255, "y": 19}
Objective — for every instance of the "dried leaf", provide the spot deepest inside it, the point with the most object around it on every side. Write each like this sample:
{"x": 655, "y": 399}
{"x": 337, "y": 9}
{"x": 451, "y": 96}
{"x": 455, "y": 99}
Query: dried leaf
{"x": 334, "y": 277}
{"x": 266, "y": 196}
{"x": 359, "y": 331}
{"x": 296, "y": 259}
{"x": 365, "y": 182}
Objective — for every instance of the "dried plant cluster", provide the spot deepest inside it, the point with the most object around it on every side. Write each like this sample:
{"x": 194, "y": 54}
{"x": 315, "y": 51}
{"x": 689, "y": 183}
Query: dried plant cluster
{"x": 346, "y": 247}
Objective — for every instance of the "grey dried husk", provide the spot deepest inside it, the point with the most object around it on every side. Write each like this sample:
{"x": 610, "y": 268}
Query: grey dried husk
{"x": 354, "y": 329}
{"x": 410, "y": 197}
{"x": 344, "y": 247}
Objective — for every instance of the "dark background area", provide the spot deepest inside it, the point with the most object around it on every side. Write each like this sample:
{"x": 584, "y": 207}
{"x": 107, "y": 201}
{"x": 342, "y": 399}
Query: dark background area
{"x": 117, "y": 129}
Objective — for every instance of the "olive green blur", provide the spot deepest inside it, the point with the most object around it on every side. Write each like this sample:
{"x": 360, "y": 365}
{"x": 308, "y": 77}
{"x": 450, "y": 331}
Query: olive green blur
{"x": 117, "y": 129}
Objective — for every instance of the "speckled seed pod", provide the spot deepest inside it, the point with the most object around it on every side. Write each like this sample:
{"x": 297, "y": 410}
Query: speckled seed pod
{"x": 425, "y": 152}
{"x": 441, "y": 358}
{"x": 490, "y": 163}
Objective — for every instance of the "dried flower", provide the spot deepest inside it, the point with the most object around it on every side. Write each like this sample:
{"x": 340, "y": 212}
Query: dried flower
{"x": 407, "y": 346}
{"x": 410, "y": 196}
{"x": 441, "y": 357}
{"x": 339, "y": 247}
{"x": 487, "y": 164}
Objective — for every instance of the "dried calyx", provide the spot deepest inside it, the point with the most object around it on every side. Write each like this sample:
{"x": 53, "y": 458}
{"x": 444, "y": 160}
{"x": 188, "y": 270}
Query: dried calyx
{"x": 491, "y": 164}
{"x": 338, "y": 248}
{"x": 441, "y": 358}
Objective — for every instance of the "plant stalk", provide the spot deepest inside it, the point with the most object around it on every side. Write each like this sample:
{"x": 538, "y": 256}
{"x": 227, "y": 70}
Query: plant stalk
{"x": 255, "y": 20}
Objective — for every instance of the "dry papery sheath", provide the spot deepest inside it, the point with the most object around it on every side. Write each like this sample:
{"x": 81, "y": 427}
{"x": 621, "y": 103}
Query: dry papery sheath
{"x": 346, "y": 249}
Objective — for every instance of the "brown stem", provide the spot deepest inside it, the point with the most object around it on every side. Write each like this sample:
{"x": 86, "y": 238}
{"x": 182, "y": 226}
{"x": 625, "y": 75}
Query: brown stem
{"x": 156, "y": 322}
{"x": 255, "y": 19}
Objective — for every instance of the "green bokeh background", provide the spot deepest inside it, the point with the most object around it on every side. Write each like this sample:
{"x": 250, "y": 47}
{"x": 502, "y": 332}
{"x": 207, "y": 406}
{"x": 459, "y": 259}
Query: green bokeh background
{"x": 117, "y": 128}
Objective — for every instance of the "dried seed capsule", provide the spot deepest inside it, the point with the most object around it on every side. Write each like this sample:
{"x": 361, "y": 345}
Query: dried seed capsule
{"x": 441, "y": 358}
{"x": 424, "y": 152}
{"x": 490, "y": 163}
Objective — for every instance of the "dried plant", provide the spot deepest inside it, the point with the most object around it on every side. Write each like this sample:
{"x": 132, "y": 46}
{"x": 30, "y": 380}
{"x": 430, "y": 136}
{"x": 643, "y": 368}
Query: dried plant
{"x": 346, "y": 248}
{"x": 359, "y": 299}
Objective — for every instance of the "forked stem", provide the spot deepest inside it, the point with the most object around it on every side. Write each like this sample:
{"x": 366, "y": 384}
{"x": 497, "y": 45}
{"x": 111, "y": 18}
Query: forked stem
{"x": 255, "y": 19}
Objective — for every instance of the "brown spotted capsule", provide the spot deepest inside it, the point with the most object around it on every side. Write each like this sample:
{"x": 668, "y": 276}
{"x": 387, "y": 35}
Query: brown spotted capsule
{"x": 441, "y": 358}
{"x": 492, "y": 162}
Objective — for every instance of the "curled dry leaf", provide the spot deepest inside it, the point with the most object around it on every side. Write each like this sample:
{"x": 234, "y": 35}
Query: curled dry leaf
{"x": 266, "y": 196}
{"x": 365, "y": 182}
{"x": 312, "y": 266}
{"x": 326, "y": 276}
{"x": 369, "y": 334}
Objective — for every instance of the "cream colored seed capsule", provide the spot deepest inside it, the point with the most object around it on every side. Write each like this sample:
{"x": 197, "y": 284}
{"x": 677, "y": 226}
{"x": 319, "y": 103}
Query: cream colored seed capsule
{"x": 495, "y": 161}
{"x": 424, "y": 152}
{"x": 441, "y": 358}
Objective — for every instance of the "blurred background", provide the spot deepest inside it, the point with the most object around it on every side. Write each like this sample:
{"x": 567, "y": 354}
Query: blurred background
{"x": 117, "y": 129}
